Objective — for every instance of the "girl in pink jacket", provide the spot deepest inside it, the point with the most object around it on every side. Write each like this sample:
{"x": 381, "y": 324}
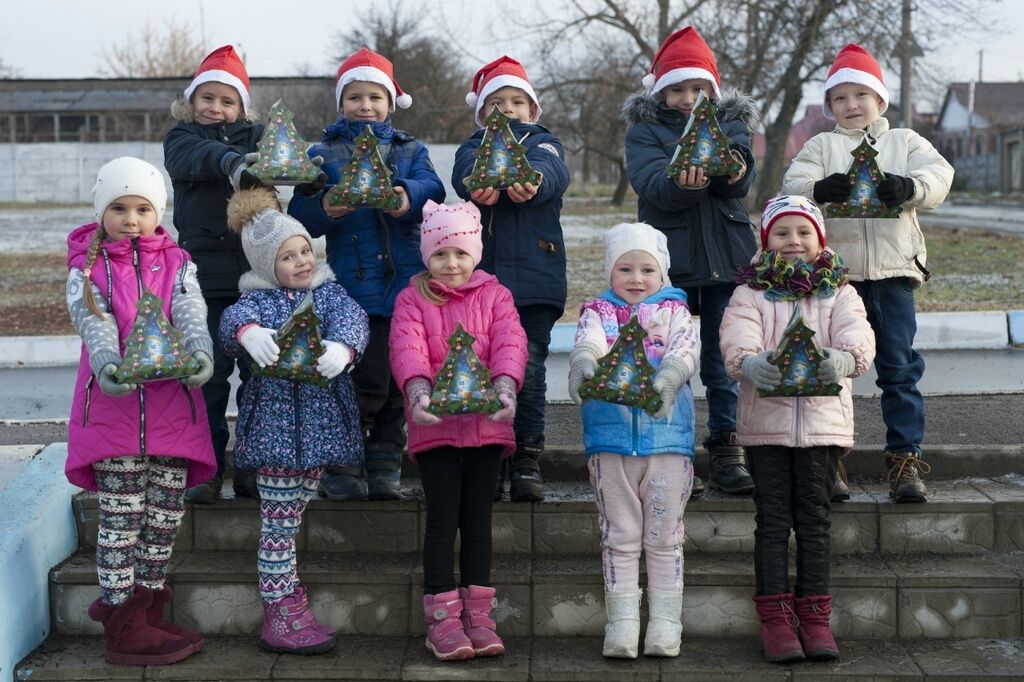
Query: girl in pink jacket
{"x": 794, "y": 443}
{"x": 459, "y": 455}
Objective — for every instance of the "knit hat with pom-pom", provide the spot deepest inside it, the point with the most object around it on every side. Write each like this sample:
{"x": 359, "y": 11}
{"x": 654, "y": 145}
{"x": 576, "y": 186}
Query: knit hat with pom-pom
{"x": 256, "y": 215}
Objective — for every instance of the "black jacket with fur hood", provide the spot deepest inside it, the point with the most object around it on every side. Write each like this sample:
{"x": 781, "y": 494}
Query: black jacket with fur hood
{"x": 709, "y": 232}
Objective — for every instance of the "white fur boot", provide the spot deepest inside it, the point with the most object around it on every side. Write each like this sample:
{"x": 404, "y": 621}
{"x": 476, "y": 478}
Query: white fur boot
{"x": 622, "y": 633}
{"x": 664, "y": 626}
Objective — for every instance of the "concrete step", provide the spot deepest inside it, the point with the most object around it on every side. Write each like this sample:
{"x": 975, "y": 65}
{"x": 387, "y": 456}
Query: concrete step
{"x": 962, "y": 516}
{"x": 542, "y": 659}
{"x": 881, "y": 597}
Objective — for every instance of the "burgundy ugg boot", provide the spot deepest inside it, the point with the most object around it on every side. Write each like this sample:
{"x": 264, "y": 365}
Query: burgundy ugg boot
{"x": 446, "y": 637}
{"x": 130, "y": 640}
{"x": 155, "y": 618}
{"x": 481, "y": 629}
{"x": 815, "y": 633}
{"x": 778, "y": 631}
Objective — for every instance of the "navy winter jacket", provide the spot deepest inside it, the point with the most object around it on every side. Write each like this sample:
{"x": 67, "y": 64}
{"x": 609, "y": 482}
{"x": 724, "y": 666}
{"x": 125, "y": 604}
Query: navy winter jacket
{"x": 523, "y": 243}
{"x": 372, "y": 254}
{"x": 199, "y": 158}
{"x": 709, "y": 232}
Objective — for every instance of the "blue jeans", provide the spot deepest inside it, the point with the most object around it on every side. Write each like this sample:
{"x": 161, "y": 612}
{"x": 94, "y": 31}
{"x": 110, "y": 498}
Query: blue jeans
{"x": 537, "y": 321}
{"x": 892, "y": 314}
{"x": 722, "y": 392}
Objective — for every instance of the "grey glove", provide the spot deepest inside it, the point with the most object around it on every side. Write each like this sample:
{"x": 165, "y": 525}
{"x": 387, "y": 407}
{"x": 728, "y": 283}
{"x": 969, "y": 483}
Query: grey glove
{"x": 205, "y": 372}
{"x": 838, "y": 364}
{"x": 109, "y": 385}
{"x": 670, "y": 378}
{"x": 239, "y": 172}
{"x": 760, "y": 372}
{"x": 581, "y": 368}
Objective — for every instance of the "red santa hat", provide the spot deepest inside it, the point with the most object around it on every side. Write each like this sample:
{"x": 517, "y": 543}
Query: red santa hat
{"x": 791, "y": 204}
{"x": 503, "y": 72}
{"x": 683, "y": 55}
{"x": 366, "y": 65}
{"x": 223, "y": 65}
{"x": 854, "y": 64}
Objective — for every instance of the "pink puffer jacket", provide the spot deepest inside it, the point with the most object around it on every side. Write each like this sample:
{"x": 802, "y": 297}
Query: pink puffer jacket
{"x": 752, "y": 324}
{"x": 419, "y": 343}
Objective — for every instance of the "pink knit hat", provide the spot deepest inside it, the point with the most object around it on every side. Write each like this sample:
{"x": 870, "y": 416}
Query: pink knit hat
{"x": 447, "y": 225}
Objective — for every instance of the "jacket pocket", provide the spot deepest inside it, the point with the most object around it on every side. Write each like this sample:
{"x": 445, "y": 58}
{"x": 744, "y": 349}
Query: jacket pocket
{"x": 88, "y": 399}
{"x": 191, "y": 402}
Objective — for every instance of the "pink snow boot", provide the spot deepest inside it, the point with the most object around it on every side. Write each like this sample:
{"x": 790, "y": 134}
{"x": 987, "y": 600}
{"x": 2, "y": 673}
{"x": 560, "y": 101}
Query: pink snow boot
{"x": 477, "y": 623}
{"x": 445, "y": 637}
{"x": 289, "y": 627}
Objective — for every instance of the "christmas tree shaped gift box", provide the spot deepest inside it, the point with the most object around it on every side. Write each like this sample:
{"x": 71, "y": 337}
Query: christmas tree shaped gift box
{"x": 283, "y": 159}
{"x": 300, "y": 345}
{"x": 500, "y": 161}
{"x": 703, "y": 144}
{"x": 864, "y": 175}
{"x": 624, "y": 376}
{"x": 154, "y": 350}
{"x": 463, "y": 383}
{"x": 365, "y": 180}
{"x": 798, "y": 357}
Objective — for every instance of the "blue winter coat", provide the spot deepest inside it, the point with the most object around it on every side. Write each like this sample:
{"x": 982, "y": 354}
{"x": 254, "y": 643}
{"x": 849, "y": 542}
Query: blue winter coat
{"x": 286, "y": 423}
{"x": 709, "y": 232}
{"x": 523, "y": 243}
{"x": 372, "y": 254}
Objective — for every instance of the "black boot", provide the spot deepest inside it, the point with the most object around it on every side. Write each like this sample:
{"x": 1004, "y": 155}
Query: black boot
{"x": 525, "y": 484}
{"x": 698, "y": 486}
{"x": 342, "y": 483}
{"x": 244, "y": 484}
{"x": 205, "y": 493}
{"x": 499, "y": 486}
{"x": 728, "y": 466}
{"x": 383, "y": 474}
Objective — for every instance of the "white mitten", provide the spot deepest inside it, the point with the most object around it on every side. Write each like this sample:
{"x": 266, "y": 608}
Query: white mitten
{"x": 335, "y": 359}
{"x": 259, "y": 343}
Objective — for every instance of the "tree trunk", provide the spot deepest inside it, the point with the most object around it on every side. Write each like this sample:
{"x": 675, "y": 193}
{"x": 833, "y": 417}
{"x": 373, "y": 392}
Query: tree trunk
{"x": 619, "y": 195}
{"x": 769, "y": 176}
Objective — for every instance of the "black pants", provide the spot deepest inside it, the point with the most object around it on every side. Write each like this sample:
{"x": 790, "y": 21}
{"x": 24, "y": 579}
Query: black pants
{"x": 381, "y": 406}
{"x": 217, "y": 391}
{"x": 459, "y": 486}
{"x": 792, "y": 491}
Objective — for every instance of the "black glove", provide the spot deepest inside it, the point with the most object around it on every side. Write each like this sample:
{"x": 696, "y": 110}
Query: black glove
{"x": 309, "y": 189}
{"x": 833, "y": 189}
{"x": 240, "y": 176}
{"x": 895, "y": 189}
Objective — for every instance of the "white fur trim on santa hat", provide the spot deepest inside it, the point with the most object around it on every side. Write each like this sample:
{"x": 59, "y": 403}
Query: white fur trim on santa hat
{"x": 679, "y": 75}
{"x": 626, "y": 237}
{"x": 371, "y": 74}
{"x": 497, "y": 83}
{"x": 847, "y": 75}
{"x": 218, "y": 76}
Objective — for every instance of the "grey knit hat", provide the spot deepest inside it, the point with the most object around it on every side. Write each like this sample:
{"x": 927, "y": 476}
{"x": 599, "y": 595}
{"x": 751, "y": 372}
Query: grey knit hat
{"x": 256, "y": 215}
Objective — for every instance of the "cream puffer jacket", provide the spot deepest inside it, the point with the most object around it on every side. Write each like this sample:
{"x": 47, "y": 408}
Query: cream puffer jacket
{"x": 876, "y": 248}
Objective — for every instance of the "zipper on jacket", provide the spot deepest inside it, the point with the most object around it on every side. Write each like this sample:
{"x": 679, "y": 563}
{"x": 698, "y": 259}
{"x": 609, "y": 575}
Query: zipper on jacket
{"x": 635, "y": 429}
{"x": 88, "y": 399}
{"x": 297, "y": 403}
{"x": 797, "y": 439}
{"x": 359, "y": 259}
{"x": 384, "y": 237}
{"x": 142, "y": 392}
{"x": 110, "y": 281}
{"x": 191, "y": 402}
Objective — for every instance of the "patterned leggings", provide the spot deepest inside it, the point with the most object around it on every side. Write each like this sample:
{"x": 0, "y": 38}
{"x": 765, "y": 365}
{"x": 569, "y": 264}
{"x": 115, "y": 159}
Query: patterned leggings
{"x": 141, "y": 504}
{"x": 284, "y": 494}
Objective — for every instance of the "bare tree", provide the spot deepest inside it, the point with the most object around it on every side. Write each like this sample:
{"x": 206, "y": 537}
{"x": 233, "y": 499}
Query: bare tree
{"x": 8, "y": 71}
{"x": 174, "y": 50}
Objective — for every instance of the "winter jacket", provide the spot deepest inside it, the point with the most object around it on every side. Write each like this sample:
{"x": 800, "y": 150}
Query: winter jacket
{"x": 876, "y": 248}
{"x": 624, "y": 430}
{"x": 708, "y": 230}
{"x": 372, "y": 254}
{"x": 523, "y": 243}
{"x": 199, "y": 159}
{"x": 286, "y": 423}
{"x": 419, "y": 344}
{"x": 752, "y": 324}
{"x": 162, "y": 417}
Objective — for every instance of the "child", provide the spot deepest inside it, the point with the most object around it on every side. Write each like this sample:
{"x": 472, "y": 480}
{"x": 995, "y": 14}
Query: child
{"x": 458, "y": 456}
{"x": 206, "y": 154}
{"x": 139, "y": 467}
{"x": 374, "y": 253}
{"x": 886, "y": 256}
{"x": 641, "y": 465}
{"x": 709, "y": 233}
{"x": 288, "y": 431}
{"x": 793, "y": 444}
{"x": 523, "y": 247}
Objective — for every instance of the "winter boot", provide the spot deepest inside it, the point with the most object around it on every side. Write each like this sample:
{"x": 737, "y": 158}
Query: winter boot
{"x": 815, "y": 634}
{"x": 727, "y": 463}
{"x": 383, "y": 474}
{"x": 155, "y": 618}
{"x": 130, "y": 640}
{"x": 205, "y": 493}
{"x": 244, "y": 484}
{"x": 343, "y": 483}
{"x": 698, "y": 487}
{"x": 841, "y": 490}
{"x": 905, "y": 469}
{"x": 664, "y": 623}
{"x": 446, "y": 638}
{"x": 622, "y": 633}
{"x": 525, "y": 483}
{"x": 477, "y": 623}
{"x": 499, "y": 486}
{"x": 322, "y": 628}
{"x": 778, "y": 628}
{"x": 289, "y": 627}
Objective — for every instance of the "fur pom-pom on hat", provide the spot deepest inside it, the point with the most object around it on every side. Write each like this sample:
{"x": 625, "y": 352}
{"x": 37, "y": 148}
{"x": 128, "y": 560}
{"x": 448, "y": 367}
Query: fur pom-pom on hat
{"x": 255, "y": 214}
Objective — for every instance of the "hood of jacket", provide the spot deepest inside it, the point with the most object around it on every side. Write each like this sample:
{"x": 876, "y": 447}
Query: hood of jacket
{"x": 478, "y": 279}
{"x": 347, "y": 130}
{"x": 78, "y": 243}
{"x": 641, "y": 107}
{"x": 250, "y": 281}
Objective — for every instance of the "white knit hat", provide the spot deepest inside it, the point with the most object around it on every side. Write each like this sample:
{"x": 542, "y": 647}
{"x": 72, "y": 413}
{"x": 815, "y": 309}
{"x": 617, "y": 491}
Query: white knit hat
{"x": 256, "y": 215}
{"x": 128, "y": 176}
{"x": 626, "y": 237}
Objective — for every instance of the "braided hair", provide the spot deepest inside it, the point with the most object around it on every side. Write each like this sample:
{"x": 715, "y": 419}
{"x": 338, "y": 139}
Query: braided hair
{"x": 90, "y": 259}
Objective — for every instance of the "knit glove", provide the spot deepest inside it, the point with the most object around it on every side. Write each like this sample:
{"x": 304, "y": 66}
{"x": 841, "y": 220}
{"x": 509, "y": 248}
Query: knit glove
{"x": 205, "y": 372}
{"x": 308, "y": 189}
{"x": 670, "y": 378}
{"x": 336, "y": 357}
{"x": 109, "y": 385}
{"x": 259, "y": 343}
{"x": 417, "y": 391}
{"x": 581, "y": 368}
{"x": 505, "y": 387}
{"x": 838, "y": 364}
{"x": 764, "y": 375}
{"x": 240, "y": 177}
{"x": 833, "y": 189}
{"x": 895, "y": 189}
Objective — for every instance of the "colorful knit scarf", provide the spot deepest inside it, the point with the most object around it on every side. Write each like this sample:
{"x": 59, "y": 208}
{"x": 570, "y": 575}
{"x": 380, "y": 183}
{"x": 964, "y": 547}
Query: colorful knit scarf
{"x": 783, "y": 280}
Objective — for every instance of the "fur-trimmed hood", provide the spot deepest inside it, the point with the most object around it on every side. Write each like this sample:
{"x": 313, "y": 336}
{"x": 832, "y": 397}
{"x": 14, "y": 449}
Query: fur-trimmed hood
{"x": 641, "y": 107}
{"x": 250, "y": 281}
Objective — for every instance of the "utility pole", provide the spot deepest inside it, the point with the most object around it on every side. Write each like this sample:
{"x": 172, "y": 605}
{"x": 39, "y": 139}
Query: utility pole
{"x": 906, "y": 67}
{"x": 981, "y": 54}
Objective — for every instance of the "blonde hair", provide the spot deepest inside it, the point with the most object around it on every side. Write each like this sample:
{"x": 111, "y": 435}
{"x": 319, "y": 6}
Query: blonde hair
{"x": 90, "y": 259}
{"x": 422, "y": 283}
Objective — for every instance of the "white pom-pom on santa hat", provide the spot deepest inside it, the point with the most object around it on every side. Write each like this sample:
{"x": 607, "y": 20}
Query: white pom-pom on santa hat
{"x": 854, "y": 64}
{"x": 649, "y": 80}
{"x": 403, "y": 101}
{"x": 471, "y": 99}
{"x": 368, "y": 66}
{"x": 503, "y": 72}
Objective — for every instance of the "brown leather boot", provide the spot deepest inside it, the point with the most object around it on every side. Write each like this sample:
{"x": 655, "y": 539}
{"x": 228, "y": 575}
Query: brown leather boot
{"x": 905, "y": 470}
